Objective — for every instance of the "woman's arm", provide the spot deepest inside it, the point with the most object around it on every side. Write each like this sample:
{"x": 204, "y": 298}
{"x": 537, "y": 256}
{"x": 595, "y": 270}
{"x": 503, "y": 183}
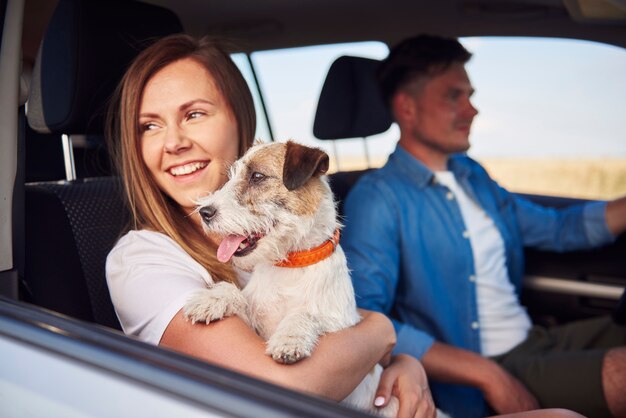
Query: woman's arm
{"x": 338, "y": 364}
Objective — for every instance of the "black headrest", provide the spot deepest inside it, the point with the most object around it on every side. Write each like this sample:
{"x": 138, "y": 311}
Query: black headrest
{"x": 84, "y": 53}
{"x": 350, "y": 105}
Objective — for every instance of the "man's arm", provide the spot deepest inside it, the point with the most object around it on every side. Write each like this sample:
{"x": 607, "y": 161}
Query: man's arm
{"x": 576, "y": 227}
{"x": 616, "y": 216}
{"x": 371, "y": 241}
{"x": 503, "y": 392}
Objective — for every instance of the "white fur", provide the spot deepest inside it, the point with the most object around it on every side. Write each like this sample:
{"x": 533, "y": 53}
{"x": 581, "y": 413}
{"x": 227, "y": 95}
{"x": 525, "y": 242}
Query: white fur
{"x": 211, "y": 304}
{"x": 289, "y": 307}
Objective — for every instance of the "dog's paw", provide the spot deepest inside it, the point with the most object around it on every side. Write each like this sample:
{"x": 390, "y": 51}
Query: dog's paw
{"x": 221, "y": 300}
{"x": 288, "y": 349}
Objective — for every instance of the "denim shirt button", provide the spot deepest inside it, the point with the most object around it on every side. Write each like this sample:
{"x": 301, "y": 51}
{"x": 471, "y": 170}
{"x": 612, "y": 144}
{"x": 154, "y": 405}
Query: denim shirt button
{"x": 475, "y": 325}
{"x": 472, "y": 278}
{"x": 450, "y": 196}
{"x": 466, "y": 234}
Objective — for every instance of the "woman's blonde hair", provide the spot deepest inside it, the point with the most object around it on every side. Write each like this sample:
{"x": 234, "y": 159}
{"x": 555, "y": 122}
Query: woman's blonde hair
{"x": 151, "y": 208}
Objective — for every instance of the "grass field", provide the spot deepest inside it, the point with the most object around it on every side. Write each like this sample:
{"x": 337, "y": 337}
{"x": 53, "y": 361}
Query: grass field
{"x": 601, "y": 178}
{"x": 583, "y": 178}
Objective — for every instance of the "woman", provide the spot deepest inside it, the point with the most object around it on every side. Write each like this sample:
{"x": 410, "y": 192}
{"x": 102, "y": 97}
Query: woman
{"x": 183, "y": 114}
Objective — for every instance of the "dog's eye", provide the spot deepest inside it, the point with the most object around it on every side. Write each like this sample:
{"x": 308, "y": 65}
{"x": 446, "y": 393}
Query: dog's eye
{"x": 257, "y": 177}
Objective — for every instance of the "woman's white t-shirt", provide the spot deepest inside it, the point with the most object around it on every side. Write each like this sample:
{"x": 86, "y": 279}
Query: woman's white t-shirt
{"x": 150, "y": 278}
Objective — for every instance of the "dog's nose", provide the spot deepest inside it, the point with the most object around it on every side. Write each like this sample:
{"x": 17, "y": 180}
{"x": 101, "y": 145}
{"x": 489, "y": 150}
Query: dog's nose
{"x": 208, "y": 213}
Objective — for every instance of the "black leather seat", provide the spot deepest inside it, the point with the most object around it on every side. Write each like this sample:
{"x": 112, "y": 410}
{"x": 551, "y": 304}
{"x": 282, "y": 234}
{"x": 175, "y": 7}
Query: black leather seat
{"x": 350, "y": 106}
{"x": 72, "y": 225}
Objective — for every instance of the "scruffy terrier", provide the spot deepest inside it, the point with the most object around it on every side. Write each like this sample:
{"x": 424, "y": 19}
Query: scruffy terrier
{"x": 279, "y": 218}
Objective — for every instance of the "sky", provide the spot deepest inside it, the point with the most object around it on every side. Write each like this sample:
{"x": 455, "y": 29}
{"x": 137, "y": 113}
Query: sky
{"x": 536, "y": 97}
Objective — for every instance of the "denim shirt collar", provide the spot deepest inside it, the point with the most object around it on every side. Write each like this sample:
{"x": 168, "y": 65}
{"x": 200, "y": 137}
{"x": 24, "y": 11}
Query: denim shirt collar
{"x": 422, "y": 175}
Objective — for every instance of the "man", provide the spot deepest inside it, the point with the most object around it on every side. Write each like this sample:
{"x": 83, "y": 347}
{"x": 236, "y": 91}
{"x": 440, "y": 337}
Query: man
{"x": 437, "y": 245}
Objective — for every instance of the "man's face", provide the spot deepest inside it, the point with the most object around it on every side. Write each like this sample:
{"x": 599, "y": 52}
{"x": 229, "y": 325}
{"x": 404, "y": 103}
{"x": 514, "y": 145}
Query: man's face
{"x": 442, "y": 113}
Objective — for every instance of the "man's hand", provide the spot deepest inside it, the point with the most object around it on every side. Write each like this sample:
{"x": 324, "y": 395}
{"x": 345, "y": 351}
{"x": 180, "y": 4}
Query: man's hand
{"x": 505, "y": 394}
{"x": 616, "y": 216}
{"x": 405, "y": 379}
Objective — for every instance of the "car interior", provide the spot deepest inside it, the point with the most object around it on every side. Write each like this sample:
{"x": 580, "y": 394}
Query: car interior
{"x": 74, "y": 76}
{"x": 75, "y": 73}
{"x": 68, "y": 208}
{"x": 350, "y": 107}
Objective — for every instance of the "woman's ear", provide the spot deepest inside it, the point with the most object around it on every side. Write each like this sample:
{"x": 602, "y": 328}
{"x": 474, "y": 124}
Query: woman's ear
{"x": 302, "y": 163}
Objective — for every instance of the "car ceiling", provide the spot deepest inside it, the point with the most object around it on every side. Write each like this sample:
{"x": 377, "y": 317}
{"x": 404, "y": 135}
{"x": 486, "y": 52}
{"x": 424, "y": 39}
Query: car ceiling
{"x": 272, "y": 24}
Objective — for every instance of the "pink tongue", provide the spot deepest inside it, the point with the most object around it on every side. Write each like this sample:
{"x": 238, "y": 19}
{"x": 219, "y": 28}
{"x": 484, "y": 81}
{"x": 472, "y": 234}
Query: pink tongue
{"x": 228, "y": 246}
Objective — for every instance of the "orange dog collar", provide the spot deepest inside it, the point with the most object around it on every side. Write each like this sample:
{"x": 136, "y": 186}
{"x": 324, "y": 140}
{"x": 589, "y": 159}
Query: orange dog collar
{"x": 312, "y": 256}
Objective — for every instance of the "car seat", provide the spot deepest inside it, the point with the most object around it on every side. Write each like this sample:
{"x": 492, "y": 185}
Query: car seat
{"x": 350, "y": 106}
{"x": 71, "y": 225}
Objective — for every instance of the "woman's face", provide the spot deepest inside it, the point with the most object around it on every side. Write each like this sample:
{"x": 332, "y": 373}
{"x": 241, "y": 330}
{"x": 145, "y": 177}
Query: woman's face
{"x": 188, "y": 134}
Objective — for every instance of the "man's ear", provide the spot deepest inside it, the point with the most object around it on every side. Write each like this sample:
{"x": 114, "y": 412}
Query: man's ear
{"x": 403, "y": 106}
{"x": 302, "y": 163}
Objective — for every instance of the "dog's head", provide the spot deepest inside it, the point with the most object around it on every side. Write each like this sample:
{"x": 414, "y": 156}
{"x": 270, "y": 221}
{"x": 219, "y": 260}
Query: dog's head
{"x": 275, "y": 202}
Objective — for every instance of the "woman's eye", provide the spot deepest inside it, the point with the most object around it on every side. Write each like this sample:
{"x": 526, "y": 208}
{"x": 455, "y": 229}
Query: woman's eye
{"x": 148, "y": 126}
{"x": 194, "y": 115}
{"x": 257, "y": 177}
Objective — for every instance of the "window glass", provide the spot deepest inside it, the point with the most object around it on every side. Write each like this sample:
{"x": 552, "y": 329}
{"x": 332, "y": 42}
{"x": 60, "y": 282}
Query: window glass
{"x": 551, "y": 115}
{"x": 262, "y": 130}
{"x": 292, "y": 80}
{"x": 550, "y": 111}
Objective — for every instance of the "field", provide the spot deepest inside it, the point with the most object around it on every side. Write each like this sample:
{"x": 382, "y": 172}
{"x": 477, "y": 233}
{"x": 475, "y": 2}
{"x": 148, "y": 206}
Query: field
{"x": 601, "y": 178}
{"x": 582, "y": 178}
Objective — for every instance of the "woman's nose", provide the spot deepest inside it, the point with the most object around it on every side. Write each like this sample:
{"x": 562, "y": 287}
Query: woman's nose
{"x": 176, "y": 140}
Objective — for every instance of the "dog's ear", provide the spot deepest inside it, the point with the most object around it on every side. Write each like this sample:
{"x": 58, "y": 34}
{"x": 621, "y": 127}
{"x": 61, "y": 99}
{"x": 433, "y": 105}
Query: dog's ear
{"x": 302, "y": 163}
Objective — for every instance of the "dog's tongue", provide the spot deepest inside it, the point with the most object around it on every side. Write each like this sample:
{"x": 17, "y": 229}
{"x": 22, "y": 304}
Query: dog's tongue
{"x": 228, "y": 246}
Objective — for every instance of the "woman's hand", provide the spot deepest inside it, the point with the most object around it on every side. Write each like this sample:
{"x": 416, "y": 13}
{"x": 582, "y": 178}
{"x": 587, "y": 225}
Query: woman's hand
{"x": 405, "y": 379}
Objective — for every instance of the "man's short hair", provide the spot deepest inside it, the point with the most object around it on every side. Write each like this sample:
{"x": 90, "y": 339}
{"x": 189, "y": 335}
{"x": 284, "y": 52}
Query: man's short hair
{"x": 422, "y": 55}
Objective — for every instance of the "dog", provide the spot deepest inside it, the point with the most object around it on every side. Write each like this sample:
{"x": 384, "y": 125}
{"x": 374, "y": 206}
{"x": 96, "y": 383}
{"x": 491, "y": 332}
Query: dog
{"x": 279, "y": 217}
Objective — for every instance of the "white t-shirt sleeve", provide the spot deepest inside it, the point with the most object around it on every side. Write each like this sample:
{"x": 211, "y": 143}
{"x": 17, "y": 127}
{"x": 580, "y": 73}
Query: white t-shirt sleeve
{"x": 150, "y": 277}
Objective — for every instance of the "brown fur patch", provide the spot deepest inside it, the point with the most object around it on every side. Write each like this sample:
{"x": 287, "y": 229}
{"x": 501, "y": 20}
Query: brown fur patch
{"x": 302, "y": 163}
{"x": 269, "y": 161}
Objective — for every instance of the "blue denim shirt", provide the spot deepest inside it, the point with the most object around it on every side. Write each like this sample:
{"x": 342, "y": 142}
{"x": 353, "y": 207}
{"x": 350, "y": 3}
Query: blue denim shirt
{"x": 410, "y": 259}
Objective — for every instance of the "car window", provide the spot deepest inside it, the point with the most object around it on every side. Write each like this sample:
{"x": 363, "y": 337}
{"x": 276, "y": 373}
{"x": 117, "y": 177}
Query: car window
{"x": 262, "y": 128}
{"x": 550, "y": 111}
{"x": 551, "y": 115}
{"x": 291, "y": 81}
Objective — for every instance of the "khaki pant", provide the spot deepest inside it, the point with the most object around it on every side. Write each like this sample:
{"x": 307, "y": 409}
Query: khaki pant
{"x": 562, "y": 365}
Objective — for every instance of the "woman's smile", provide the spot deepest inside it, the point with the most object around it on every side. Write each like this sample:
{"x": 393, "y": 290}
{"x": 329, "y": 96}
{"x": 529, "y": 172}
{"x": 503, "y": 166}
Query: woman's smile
{"x": 188, "y": 172}
{"x": 188, "y": 168}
